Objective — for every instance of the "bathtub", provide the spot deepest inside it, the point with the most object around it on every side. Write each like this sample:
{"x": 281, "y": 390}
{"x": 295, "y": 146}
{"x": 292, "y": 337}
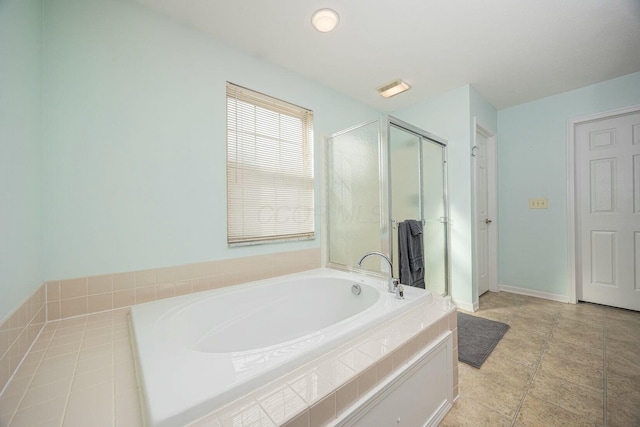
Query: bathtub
{"x": 198, "y": 352}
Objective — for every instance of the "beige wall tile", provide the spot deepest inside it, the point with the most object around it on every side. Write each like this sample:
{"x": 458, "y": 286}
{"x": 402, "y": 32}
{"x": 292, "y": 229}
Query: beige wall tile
{"x": 346, "y": 395}
{"x": 100, "y": 302}
{"x": 384, "y": 367}
{"x": 145, "y": 294}
{"x": 201, "y": 284}
{"x": 4, "y": 340}
{"x": 165, "y": 274}
{"x": 222, "y": 280}
{"x": 100, "y": 284}
{"x": 220, "y": 267}
{"x": 42, "y": 294}
{"x": 122, "y": 281}
{"x": 323, "y": 411}
{"x": 414, "y": 345}
{"x": 200, "y": 269}
{"x": 73, "y": 307}
{"x": 124, "y": 298}
{"x": 16, "y": 352}
{"x": 300, "y": 420}
{"x": 399, "y": 357}
{"x": 261, "y": 266}
{"x": 145, "y": 278}
{"x": 232, "y": 271}
{"x": 73, "y": 288}
{"x": 184, "y": 287}
{"x": 4, "y": 326}
{"x": 53, "y": 310}
{"x": 18, "y": 319}
{"x": 5, "y": 373}
{"x": 165, "y": 290}
{"x": 53, "y": 291}
{"x": 182, "y": 272}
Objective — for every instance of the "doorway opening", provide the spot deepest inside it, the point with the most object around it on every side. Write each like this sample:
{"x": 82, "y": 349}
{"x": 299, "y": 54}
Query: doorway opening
{"x": 484, "y": 154}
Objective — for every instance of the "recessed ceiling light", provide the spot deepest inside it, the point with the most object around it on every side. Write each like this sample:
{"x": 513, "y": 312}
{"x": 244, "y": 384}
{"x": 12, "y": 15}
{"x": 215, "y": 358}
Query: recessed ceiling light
{"x": 393, "y": 88}
{"x": 325, "y": 20}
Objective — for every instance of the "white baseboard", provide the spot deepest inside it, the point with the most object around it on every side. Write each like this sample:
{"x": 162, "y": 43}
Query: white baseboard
{"x": 533, "y": 293}
{"x": 466, "y": 306}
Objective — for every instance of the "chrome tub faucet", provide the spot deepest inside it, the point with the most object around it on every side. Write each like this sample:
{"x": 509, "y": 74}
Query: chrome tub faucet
{"x": 393, "y": 282}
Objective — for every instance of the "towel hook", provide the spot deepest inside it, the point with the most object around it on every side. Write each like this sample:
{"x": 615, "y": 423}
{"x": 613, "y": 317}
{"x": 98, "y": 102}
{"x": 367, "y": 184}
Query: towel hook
{"x": 473, "y": 151}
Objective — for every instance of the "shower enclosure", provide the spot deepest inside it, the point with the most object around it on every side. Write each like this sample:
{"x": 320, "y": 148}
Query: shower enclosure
{"x": 379, "y": 174}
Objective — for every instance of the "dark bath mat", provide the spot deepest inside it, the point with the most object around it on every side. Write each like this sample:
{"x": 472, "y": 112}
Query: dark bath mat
{"x": 477, "y": 337}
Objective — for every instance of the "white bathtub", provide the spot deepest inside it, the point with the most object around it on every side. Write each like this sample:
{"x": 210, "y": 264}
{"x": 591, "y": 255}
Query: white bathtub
{"x": 197, "y": 352}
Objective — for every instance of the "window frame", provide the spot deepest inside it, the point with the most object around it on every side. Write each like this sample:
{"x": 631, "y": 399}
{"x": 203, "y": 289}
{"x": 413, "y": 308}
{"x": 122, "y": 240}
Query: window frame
{"x": 270, "y": 165}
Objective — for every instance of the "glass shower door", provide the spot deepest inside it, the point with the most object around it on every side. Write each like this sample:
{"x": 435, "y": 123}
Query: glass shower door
{"x": 354, "y": 196}
{"x": 404, "y": 176}
{"x": 435, "y": 235}
{"x": 418, "y": 191}
{"x": 380, "y": 174}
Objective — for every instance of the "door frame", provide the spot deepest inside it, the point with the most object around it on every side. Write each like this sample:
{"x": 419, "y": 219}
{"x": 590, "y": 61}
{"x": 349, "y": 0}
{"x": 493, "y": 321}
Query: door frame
{"x": 572, "y": 213}
{"x": 492, "y": 206}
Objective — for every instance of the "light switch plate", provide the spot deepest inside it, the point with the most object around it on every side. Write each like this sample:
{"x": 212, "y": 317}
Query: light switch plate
{"x": 538, "y": 203}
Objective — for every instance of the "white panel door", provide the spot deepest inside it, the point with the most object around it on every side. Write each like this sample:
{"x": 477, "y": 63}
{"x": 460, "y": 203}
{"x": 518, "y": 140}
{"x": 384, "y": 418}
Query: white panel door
{"x": 482, "y": 214}
{"x": 608, "y": 210}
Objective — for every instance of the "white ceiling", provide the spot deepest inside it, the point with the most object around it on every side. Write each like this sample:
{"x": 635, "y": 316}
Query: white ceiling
{"x": 511, "y": 51}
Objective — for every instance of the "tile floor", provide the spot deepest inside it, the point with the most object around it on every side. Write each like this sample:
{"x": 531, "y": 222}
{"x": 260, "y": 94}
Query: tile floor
{"x": 559, "y": 364}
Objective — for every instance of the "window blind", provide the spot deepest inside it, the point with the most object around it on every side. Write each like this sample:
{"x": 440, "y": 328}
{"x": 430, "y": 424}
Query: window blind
{"x": 269, "y": 169}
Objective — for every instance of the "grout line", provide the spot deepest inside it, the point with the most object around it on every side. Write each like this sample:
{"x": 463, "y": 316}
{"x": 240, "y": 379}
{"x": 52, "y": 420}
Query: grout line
{"x": 26, "y": 389}
{"x": 73, "y": 375}
{"x": 24, "y": 356}
{"x": 545, "y": 345}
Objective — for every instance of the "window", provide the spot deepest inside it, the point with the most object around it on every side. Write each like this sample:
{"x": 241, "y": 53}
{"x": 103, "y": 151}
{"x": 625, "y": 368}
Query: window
{"x": 269, "y": 169}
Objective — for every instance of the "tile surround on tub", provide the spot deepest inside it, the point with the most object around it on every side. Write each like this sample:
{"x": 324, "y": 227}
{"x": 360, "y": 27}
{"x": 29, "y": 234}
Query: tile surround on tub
{"x": 87, "y": 295}
{"x": 318, "y": 392}
{"x": 18, "y": 332}
{"x": 61, "y": 299}
{"x": 88, "y": 357}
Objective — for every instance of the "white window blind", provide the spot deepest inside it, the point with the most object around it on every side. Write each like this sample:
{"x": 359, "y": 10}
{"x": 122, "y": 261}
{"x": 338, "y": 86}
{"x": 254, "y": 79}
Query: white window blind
{"x": 269, "y": 169}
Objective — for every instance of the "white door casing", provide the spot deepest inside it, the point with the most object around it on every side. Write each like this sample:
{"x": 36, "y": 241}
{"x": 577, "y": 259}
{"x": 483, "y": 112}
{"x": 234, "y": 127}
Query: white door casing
{"x": 606, "y": 199}
{"x": 485, "y": 207}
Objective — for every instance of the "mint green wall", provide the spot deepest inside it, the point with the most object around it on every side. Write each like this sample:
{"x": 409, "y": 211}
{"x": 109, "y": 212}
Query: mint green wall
{"x": 113, "y": 147}
{"x": 20, "y": 152}
{"x": 134, "y": 125}
{"x": 532, "y": 163}
{"x": 485, "y": 113}
{"x": 448, "y": 116}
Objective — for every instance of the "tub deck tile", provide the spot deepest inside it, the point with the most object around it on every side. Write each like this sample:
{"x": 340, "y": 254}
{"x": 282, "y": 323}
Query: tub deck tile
{"x": 74, "y": 360}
